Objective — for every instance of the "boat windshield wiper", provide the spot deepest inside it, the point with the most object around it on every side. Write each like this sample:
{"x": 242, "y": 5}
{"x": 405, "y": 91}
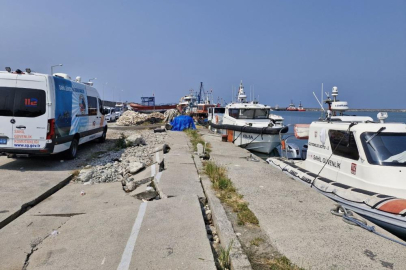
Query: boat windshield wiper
{"x": 373, "y": 136}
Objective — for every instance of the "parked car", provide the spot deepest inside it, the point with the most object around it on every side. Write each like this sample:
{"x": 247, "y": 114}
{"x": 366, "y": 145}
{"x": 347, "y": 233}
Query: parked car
{"x": 42, "y": 114}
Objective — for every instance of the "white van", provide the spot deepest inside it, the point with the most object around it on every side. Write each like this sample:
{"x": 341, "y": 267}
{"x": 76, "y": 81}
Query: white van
{"x": 119, "y": 110}
{"x": 110, "y": 115}
{"x": 42, "y": 114}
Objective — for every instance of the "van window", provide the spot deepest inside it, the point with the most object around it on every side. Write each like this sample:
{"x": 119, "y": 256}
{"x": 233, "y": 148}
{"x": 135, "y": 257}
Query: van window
{"x": 343, "y": 144}
{"x": 22, "y": 102}
{"x": 100, "y": 106}
{"x": 6, "y": 101}
{"x": 92, "y": 104}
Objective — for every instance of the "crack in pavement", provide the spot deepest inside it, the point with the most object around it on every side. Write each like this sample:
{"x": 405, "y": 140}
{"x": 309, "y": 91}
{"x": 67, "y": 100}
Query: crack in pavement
{"x": 59, "y": 215}
{"x": 35, "y": 243}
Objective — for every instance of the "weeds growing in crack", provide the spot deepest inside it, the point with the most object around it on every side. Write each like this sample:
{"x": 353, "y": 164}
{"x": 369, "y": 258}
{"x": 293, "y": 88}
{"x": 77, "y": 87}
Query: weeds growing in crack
{"x": 195, "y": 138}
{"x": 224, "y": 256}
{"x": 228, "y": 194}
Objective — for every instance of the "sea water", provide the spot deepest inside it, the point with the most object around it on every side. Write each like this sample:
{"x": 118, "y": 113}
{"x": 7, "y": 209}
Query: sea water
{"x": 295, "y": 117}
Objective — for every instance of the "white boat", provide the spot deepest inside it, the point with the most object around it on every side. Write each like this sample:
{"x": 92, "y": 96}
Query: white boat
{"x": 250, "y": 124}
{"x": 187, "y": 104}
{"x": 358, "y": 162}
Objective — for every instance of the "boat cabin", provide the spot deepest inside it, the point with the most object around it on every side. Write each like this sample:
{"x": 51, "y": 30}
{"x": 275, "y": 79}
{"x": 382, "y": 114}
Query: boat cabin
{"x": 367, "y": 155}
{"x": 215, "y": 114}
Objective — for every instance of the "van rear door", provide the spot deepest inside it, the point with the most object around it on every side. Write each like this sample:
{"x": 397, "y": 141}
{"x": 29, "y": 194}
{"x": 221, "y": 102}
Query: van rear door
{"x": 6, "y": 112}
{"x": 30, "y": 115}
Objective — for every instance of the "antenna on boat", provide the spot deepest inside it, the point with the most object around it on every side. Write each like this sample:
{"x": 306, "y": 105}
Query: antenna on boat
{"x": 321, "y": 106}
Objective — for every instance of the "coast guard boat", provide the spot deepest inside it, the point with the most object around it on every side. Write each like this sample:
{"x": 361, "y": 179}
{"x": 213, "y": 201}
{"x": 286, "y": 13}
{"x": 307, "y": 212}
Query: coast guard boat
{"x": 250, "y": 124}
{"x": 356, "y": 161}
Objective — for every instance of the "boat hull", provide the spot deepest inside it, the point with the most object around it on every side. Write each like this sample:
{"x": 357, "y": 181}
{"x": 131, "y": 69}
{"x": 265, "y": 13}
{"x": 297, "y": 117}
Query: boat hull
{"x": 150, "y": 109}
{"x": 255, "y": 142}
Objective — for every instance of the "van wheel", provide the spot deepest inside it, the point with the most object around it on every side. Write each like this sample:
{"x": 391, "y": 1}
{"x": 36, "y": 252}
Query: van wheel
{"x": 73, "y": 149}
{"x": 102, "y": 139}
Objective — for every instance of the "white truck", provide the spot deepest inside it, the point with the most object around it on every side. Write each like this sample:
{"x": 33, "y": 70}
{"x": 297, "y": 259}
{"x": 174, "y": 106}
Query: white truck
{"x": 42, "y": 114}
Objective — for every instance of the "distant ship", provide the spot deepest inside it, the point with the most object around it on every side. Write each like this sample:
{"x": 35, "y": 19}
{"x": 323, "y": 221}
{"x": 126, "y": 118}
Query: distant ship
{"x": 300, "y": 107}
{"x": 291, "y": 106}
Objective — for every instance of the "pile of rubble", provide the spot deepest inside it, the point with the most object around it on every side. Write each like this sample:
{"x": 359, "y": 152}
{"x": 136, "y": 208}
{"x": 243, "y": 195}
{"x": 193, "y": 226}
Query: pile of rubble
{"x": 121, "y": 165}
{"x": 131, "y": 118}
{"x": 170, "y": 115}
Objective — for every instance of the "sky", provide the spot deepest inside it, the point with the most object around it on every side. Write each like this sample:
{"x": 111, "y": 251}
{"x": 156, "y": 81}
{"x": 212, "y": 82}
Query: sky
{"x": 283, "y": 49}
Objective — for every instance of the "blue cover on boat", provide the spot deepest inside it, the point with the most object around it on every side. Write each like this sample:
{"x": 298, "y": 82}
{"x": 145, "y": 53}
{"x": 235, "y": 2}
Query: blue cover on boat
{"x": 182, "y": 122}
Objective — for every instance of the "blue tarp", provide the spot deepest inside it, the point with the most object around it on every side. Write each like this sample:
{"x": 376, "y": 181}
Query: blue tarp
{"x": 182, "y": 122}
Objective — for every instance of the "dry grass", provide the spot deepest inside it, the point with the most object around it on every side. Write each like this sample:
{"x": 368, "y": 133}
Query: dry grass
{"x": 256, "y": 241}
{"x": 75, "y": 173}
{"x": 281, "y": 263}
{"x": 228, "y": 194}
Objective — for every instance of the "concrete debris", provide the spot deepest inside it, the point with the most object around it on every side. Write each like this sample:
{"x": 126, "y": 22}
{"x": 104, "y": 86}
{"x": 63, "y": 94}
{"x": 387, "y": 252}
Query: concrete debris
{"x": 135, "y": 167}
{"x": 164, "y": 148}
{"x": 130, "y": 186}
{"x": 122, "y": 165}
{"x": 85, "y": 175}
{"x": 131, "y": 118}
{"x": 135, "y": 140}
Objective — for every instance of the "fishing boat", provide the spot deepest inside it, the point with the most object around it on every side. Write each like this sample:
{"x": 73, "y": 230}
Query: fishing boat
{"x": 357, "y": 162}
{"x": 187, "y": 104}
{"x": 291, "y": 107}
{"x": 300, "y": 108}
{"x": 250, "y": 125}
{"x": 148, "y": 106}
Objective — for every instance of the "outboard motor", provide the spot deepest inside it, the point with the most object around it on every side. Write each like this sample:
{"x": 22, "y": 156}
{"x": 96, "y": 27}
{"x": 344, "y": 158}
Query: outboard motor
{"x": 304, "y": 152}
{"x": 291, "y": 151}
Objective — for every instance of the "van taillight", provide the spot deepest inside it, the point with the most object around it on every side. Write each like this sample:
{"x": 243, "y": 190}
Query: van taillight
{"x": 51, "y": 129}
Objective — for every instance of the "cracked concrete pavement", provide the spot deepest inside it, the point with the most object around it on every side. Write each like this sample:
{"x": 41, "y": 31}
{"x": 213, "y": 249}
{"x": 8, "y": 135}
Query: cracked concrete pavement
{"x": 92, "y": 231}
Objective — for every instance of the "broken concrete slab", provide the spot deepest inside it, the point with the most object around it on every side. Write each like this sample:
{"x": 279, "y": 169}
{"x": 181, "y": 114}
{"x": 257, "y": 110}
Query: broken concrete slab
{"x": 135, "y": 167}
{"x": 134, "y": 140}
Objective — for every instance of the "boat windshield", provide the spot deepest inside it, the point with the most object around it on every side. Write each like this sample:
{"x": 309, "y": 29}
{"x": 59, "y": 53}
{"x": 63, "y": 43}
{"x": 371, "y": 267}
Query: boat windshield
{"x": 387, "y": 149}
{"x": 253, "y": 114}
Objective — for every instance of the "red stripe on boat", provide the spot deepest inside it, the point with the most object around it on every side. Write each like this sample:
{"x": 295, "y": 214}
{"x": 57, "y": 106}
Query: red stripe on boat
{"x": 394, "y": 206}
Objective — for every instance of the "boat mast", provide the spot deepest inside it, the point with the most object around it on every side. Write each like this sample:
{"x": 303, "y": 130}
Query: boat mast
{"x": 242, "y": 97}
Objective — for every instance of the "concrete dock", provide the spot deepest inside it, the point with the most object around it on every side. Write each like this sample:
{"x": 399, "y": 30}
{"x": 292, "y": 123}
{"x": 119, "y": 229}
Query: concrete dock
{"x": 297, "y": 219}
{"x": 101, "y": 227}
